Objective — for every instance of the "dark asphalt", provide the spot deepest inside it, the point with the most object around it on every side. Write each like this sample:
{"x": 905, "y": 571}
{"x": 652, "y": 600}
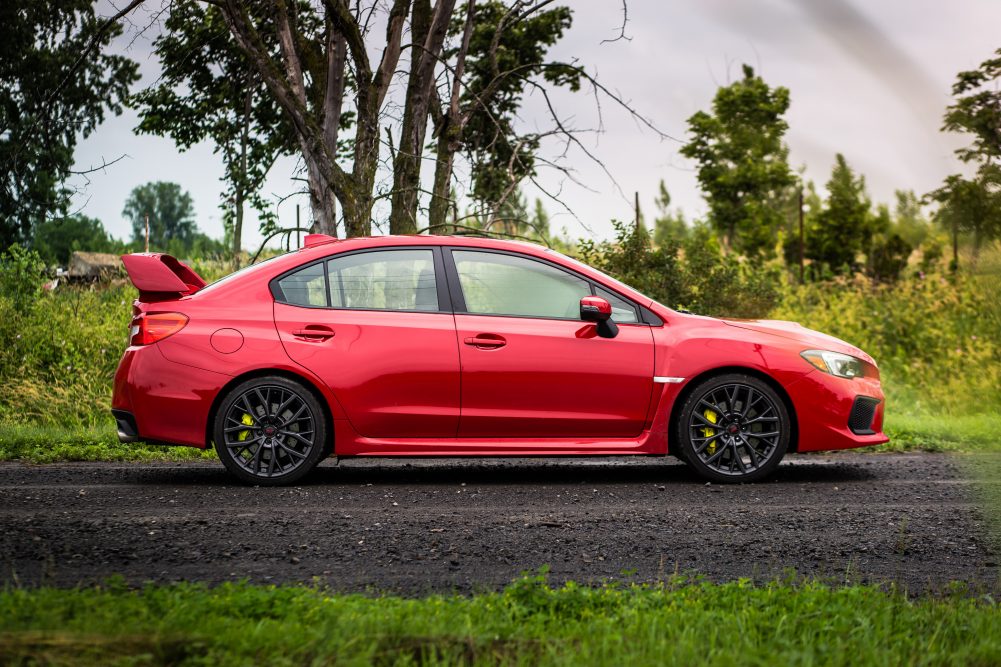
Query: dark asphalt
{"x": 418, "y": 526}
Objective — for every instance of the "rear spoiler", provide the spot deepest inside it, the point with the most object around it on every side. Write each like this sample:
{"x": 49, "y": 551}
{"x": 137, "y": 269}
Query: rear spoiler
{"x": 159, "y": 277}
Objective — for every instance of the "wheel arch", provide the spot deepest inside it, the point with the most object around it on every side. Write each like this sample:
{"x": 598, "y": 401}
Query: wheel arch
{"x": 690, "y": 385}
{"x": 306, "y": 382}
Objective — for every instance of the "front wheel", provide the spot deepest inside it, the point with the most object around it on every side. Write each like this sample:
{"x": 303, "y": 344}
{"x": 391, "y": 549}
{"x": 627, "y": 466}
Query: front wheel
{"x": 270, "y": 431}
{"x": 733, "y": 428}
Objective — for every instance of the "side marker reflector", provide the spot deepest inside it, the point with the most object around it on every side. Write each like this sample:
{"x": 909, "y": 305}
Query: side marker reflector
{"x": 660, "y": 379}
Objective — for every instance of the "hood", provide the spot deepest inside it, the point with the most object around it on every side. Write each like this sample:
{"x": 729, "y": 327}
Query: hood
{"x": 794, "y": 331}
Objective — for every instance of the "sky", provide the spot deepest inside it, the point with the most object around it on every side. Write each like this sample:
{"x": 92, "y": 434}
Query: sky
{"x": 869, "y": 80}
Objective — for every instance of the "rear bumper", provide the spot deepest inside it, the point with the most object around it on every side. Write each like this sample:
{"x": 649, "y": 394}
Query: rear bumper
{"x": 828, "y": 412}
{"x": 160, "y": 401}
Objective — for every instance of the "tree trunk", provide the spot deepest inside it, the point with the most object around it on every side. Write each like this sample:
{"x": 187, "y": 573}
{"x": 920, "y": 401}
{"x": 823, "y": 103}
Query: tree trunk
{"x": 429, "y": 28}
{"x": 440, "y": 199}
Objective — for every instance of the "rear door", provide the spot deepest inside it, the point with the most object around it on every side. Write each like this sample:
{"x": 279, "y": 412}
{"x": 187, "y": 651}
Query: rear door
{"x": 530, "y": 366}
{"x": 377, "y": 327}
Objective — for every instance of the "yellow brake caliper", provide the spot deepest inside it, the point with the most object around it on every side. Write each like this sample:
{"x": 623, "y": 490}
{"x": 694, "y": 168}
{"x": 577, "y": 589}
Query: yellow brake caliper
{"x": 708, "y": 430}
{"x": 249, "y": 421}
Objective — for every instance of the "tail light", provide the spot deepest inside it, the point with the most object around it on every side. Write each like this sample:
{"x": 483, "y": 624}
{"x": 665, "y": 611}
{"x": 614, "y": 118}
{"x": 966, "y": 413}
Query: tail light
{"x": 149, "y": 328}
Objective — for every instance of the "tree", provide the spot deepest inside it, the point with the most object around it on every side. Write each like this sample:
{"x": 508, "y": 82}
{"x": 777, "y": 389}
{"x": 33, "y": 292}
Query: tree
{"x": 669, "y": 225}
{"x": 909, "y": 219}
{"x": 974, "y": 204}
{"x": 171, "y": 215}
{"x": 56, "y": 84}
{"x": 55, "y": 239}
{"x": 501, "y": 55}
{"x": 742, "y": 161}
{"x": 842, "y": 228}
{"x": 208, "y": 91}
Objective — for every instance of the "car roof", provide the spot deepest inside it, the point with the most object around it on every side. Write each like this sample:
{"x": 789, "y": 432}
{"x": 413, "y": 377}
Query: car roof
{"x": 318, "y": 250}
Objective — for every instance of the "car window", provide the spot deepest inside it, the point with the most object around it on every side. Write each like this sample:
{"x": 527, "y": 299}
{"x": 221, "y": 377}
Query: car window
{"x": 305, "y": 287}
{"x": 384, "y": 280}
{"x": 498, "y": 284}
{"x": 623, "y": 312}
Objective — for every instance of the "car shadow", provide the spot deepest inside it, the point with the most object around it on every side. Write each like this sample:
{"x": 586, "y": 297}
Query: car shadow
{"x": 500, "y": 472}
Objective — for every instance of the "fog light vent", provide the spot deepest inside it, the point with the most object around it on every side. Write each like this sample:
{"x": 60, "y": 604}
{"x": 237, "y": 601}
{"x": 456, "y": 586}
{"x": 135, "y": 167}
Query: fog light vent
{"x": 863, "y": 411}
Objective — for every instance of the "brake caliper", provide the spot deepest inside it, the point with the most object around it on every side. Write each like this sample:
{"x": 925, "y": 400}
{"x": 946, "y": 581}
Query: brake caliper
{"x": 247, "y": 420}
{"x": 708, "y": 430}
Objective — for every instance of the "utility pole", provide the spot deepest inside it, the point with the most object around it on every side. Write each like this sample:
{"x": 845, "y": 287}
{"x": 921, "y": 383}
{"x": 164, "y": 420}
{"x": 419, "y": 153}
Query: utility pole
{"x": 636, "y": 204}
{"x": 298, "y": 240}
{"x": 147, "y": 232}
{"x": 802, "y": 244}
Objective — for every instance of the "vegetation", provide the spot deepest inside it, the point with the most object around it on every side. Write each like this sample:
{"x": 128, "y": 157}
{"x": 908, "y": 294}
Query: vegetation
{"x": 529, "y": 623}
{"x": 51, "y": 95}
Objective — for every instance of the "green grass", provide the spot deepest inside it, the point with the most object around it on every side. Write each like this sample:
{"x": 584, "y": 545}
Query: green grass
{"x": 529, "y": 623}
{"x": 49, "y": 444}
{"x": 960, "y": 433}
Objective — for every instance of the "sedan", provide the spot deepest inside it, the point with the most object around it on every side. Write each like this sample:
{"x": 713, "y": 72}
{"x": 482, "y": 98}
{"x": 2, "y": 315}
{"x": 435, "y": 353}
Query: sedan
{"x": 460, "y": 346}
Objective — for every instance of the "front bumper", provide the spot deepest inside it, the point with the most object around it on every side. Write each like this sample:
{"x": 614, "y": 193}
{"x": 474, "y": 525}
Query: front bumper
{"x": 838, "y": 413}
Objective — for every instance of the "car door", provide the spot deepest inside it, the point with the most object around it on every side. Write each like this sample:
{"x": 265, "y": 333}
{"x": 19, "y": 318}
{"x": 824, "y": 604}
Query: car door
{"x": 530, "y": 366}
{"x": 377, "y": 327}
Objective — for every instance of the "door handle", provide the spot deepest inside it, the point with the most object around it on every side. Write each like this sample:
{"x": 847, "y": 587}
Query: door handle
{"x": 486, "y": 341}
{"x": 314, "y": 332}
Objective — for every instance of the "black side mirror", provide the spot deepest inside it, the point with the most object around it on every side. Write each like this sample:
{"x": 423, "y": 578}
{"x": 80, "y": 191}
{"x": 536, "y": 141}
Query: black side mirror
{"x": 598, "y": 310}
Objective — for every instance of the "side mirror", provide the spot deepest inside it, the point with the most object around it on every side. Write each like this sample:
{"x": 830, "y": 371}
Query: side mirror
{"x": 598, "y": 310}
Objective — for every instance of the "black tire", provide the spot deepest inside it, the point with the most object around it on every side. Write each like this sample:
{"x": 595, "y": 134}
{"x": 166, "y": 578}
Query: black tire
{"x": 733, "y": 428}
{"x": 270, "y": 431}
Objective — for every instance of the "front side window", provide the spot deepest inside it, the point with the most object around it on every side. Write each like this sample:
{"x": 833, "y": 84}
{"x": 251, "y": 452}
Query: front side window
{"x": 497, "y": 284}
{"x": 384, "y": 280}
{"x": 623, "y": 312}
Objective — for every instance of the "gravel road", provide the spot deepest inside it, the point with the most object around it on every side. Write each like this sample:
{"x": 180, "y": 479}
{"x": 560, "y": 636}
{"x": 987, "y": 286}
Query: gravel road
{"x": 419, "y": 526}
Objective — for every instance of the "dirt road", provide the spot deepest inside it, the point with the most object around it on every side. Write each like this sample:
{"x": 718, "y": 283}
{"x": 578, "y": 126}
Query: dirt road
{"x": 462, "y": 525}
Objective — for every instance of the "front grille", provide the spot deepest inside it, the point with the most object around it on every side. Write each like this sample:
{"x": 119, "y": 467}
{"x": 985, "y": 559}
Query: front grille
{"x": 863, "y": 411}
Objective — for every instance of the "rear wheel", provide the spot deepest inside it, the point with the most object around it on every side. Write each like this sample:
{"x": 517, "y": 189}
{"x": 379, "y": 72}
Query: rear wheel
{"x": 270, "y": 431}
{"x": 733, "y": 428}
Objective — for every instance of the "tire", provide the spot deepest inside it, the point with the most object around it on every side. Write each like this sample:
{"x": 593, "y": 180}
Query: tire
{"x": 270, "y": 431}
{"x": 733, "y": 428}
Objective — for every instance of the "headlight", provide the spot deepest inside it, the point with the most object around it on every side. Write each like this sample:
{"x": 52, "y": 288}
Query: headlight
{"x": 835, "y": 363}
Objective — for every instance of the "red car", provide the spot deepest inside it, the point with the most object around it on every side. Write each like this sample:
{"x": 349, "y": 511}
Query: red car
{"x": 450, "y": 346}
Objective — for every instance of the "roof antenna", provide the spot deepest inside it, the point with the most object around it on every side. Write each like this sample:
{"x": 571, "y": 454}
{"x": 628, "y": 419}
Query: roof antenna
{"x": 147, "y": 232}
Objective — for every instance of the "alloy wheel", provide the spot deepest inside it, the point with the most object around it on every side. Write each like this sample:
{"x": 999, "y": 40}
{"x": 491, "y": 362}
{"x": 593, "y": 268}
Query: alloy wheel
{"x": 735, "y": 429}
{"x": 269, "y": 431}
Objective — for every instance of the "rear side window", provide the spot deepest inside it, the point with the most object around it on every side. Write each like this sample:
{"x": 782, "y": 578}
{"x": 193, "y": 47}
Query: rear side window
{"x": 388, "y": 280}
{"x": 305, "y": 287}
{"x": 497, "y": 284}
{"x": 380, "y": 280}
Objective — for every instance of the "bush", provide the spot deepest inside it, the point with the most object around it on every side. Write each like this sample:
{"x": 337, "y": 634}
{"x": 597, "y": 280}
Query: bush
{"x": 937, "y": 340}
{"x": 695, "y": 275}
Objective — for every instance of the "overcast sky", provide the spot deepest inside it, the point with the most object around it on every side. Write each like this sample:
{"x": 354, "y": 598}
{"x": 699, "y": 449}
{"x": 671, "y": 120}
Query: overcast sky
{"x": 869, "y": 80}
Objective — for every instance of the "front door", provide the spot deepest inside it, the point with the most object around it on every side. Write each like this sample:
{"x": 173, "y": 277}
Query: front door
{"x": 375, "y": 328}
{"x": 531, "y": 367}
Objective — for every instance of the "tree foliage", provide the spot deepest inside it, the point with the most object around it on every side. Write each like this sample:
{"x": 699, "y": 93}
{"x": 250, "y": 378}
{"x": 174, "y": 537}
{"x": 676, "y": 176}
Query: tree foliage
{"x": 55, "y": 239}
{"x": 56, "y": 85}
{"x": 207, "y": 90}
{"x": 742, "y": 161}
{"x": 843, "y": 226}
{"x": 170, "y": 210}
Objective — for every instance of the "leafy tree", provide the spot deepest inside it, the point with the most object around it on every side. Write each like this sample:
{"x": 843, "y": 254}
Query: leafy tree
{"x": 503, "y": 56}
{"x": 55, "y": 239}
{"x": 171, "y": 215}
{"x": 55, "y": 87}
{"x": 669, "y": 225}
{"x": 974, "y": 204}
{"x": 742, "y": 161}
{"x": 207, "y": 90}
{"x": 909, "y": 219}
{"x": 842, "y": 228}
{"x": 968, "y": 206}
{"x": 888, "y": 258}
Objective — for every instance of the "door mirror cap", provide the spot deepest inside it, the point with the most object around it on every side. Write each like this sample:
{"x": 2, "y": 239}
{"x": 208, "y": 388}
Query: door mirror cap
{"x": 595, "y": 309}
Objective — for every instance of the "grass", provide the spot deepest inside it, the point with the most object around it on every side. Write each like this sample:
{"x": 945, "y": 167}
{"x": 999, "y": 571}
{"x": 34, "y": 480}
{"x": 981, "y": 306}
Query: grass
{"x": 50, "y": 444}
{"x": 530, "y": 623}
{"x": 959, "y": 433}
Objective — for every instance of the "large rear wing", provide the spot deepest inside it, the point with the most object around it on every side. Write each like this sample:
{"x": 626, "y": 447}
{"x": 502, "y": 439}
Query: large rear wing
{"x": 159, "y": 277}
